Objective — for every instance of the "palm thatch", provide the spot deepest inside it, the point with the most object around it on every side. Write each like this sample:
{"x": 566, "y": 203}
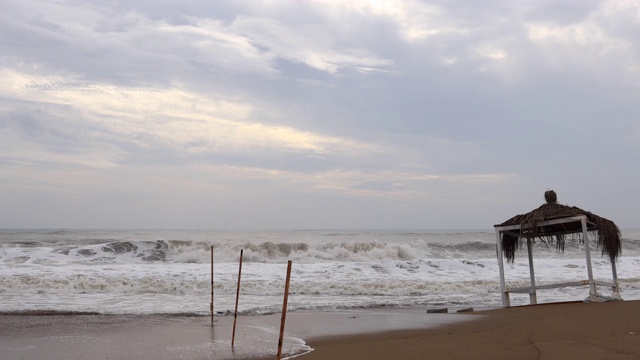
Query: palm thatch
{"x": 606, "y": 231}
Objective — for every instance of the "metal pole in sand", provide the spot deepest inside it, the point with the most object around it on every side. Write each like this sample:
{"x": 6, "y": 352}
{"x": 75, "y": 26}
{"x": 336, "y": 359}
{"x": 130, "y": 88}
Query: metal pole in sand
{"x": 211, "y": 305}
{"x": 284, "y": 310}
{"x": 235, "y": 314}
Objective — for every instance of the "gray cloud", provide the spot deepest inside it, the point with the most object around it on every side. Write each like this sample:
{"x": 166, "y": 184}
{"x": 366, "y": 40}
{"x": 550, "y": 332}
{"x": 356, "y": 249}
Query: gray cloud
{"x": 315, "y": 114}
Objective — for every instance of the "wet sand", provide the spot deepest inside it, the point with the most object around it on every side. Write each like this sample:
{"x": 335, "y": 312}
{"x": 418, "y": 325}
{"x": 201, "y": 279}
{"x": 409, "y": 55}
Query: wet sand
{"x": 553, "y": 331}
{"x": 104, "y": 337}
{"x": 51, "y": 336}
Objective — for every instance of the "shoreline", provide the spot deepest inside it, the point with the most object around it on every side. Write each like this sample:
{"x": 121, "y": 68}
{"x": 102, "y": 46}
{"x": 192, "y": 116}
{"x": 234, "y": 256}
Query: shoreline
{"x": 549, "y": 331}
{"x": 62, "y": 335}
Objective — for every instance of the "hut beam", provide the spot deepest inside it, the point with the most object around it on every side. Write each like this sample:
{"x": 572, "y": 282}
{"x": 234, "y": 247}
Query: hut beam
{"x": 554, "y": 233}
{"x": 529, "y": 289}
{"x": 564, "y": 220}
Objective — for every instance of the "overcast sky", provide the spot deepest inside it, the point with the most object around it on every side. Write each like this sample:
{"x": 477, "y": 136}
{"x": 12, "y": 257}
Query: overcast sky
{"x": 316, "y": 114}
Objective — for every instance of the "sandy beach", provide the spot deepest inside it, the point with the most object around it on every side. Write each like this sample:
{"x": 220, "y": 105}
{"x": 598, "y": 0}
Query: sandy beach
{"x": 552, "y": 331}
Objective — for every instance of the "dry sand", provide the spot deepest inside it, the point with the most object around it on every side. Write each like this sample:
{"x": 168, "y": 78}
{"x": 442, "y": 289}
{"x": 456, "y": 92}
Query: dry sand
{"x": 554, "y": 331}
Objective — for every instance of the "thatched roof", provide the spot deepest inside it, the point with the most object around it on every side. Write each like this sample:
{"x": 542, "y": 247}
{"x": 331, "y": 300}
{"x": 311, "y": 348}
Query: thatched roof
{"x": 606, "y": 231}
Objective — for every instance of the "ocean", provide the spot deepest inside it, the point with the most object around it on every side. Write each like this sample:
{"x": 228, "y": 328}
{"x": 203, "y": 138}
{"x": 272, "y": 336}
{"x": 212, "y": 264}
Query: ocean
{"x": 169, "y": 271}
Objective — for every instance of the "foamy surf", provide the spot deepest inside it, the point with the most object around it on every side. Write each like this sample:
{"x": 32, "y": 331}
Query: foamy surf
{"x": 168, "y": 272}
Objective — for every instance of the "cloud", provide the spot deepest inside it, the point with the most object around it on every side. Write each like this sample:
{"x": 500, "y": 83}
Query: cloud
{"x": 415, "y": 20}
{"x": 181, "y": 121}
{"x": 388, "y": 109}
{"x": 587, "y": 43}
{"x": 308, "y": 44}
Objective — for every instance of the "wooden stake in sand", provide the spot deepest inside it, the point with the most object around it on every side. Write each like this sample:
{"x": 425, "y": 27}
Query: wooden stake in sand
{"x": 211, "y": 305}
{"x": 284, "y": 310}
{"x": 235, "y": 313}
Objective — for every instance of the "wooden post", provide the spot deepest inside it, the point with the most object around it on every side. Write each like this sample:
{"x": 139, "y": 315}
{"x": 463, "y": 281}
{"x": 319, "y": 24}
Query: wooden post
{"x": 587, "y": 251}
{"x": 284, "y": 310}
{"x": 616, "y": 289}
{"x": 235, "y": 314}
{"x": 503, "y": 288}
{"x": 211, "y": 305}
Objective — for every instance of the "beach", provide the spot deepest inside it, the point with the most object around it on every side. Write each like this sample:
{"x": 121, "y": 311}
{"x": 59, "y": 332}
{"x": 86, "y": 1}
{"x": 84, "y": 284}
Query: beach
{"x": 140, "y": 294}
{"x": 552, "y": 331}
{"x": 573, "y": 330}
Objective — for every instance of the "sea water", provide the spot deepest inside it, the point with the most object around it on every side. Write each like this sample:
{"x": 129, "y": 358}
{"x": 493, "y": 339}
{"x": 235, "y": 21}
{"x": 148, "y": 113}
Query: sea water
{"x": 169, "y": 271}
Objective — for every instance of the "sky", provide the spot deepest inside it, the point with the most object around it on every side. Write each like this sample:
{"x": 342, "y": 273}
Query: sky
{"x": 326, "y": 114}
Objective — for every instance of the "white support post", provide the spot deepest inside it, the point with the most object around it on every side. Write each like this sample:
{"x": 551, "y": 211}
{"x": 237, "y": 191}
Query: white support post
{"x": 587, "y": 251}
{"x": 615, "y": 293}
{"x": 533, "y": 299}
{"x": 503, "y": 288}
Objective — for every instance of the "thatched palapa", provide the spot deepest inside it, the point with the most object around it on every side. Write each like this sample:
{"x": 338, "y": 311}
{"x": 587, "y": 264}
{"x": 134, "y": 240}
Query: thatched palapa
{"x": 552, "y": 223}
{"x": 605, "y": 231}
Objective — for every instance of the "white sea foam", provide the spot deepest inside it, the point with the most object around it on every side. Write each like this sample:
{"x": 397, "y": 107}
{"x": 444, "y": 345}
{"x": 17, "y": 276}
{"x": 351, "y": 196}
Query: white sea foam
{"x": 169, "y": 272}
